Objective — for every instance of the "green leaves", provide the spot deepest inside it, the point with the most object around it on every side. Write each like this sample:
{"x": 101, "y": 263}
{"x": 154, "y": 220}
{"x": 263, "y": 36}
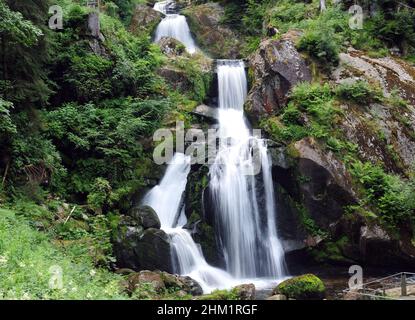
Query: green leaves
{"x": 16, "y": 28}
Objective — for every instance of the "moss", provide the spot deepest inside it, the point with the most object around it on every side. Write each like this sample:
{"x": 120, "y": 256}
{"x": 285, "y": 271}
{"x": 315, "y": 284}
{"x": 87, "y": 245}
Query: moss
{"x": 308, "y": 222}
{"x": 221, "y": 295}
{"x": 331, "y": 251}
{"x": 304, "y": 287}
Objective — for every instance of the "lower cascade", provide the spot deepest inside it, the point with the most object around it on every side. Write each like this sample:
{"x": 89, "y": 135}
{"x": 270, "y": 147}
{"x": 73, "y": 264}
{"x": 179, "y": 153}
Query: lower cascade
{"x": 175, "y": 26}
{"x": 187, "y": 256}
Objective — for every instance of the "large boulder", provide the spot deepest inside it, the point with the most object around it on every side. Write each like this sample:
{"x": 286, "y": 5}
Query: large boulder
{"x": 304, "y": 287}
{"x": 146, "y": 217}
{"x": 184, "y": 283}
{"x": 216, "y": 39}
{"x": 145, "y": 19}
{"x": 138, "y": 248}
{"x": 276, "y": 67}
{"x": 154, "y": 279}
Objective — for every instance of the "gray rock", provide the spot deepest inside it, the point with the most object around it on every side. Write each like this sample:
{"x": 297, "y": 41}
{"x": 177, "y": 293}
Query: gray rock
{"x": 277, "y": 66}
{"x": 139, "y": 249}
{"x": 212, "y": 35}
{"x": 171, "y": 47}
{"x": 246, "y": 291}
{"x": 206, "y": 112}
{"x": 146, "y": 216}
{"x": 145, "y": 19}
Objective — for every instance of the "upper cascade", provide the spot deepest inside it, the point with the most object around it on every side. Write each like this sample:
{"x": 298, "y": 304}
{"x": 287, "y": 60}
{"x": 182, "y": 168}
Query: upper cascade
{"x": 174, "y": 25}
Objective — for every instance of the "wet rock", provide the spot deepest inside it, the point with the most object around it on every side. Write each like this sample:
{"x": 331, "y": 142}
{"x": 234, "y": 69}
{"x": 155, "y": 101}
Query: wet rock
{"x": 190, "y": 286}
{"x": 146, "y": 216}
{"x": 201, "y": 218}
{"x": 215, "y": 38}
{"x": 153, "y": 251}
{"x": 145, "y": 19}
{"x": 184, "y": 283}
{"x": 276, "y": 67}
{"x": 246, "y": 291}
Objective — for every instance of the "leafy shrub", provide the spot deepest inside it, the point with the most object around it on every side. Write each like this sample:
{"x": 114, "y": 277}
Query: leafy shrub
{"x": 321, "y": 46}
{"x": 390, "y": 196}
{"x": 358, "y": 92}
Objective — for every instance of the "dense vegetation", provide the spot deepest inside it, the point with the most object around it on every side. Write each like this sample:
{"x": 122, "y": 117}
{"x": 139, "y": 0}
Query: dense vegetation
{"x": 77, "y": 115}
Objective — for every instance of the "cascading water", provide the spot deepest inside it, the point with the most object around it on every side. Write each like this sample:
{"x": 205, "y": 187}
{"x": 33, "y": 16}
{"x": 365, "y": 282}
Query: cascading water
{"x": 244, "y": 202}
{"x": 248, "y": 236}
{"x": 166, "y": 200}
{"x": 174, "y": 26}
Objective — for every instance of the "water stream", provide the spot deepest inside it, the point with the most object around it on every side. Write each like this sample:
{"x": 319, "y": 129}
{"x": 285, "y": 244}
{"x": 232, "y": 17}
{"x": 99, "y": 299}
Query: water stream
{"x": 241, "y": 188}
{"x": 174, "y": 25}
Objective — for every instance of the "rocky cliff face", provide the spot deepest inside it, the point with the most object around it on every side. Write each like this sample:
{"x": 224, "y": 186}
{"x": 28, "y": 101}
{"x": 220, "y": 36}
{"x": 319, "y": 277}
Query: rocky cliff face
{"x": 212, "y": 36}
{"x": 314, "y": 187}
{"x": 275, "y": 68}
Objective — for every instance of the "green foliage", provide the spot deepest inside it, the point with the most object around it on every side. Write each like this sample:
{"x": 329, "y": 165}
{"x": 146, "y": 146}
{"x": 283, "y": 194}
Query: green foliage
{"x": 29, "y": 261}
{"x": 390, "y": 196}
{"x": 359, "y": 92}
{"x": 221, "y": 295}
{"x": 89, "y": 76}
{"x": 7, "y": 126}
{"x": 103, "y": 141}
{"x": 319, "y": 42}
{"x": 304, "y": 287}
{"x": 16, "y": 28}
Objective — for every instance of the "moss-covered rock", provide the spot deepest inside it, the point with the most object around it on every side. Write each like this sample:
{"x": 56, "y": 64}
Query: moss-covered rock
{"x": 304, "y": 287}
{"x": 215, "y": 38}
{"x": 144, "y": 20}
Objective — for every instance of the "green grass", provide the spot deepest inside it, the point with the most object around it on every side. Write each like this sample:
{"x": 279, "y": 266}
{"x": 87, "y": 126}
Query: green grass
{"x": 30, "y": 265}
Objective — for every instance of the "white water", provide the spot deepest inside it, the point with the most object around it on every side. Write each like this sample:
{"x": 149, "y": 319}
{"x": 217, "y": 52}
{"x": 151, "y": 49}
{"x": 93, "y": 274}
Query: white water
{"x": 252, "y": 250}
{"x": 166, "y": 199}
{"x": 174, "y": 26}
{"x": 248, "y": 236}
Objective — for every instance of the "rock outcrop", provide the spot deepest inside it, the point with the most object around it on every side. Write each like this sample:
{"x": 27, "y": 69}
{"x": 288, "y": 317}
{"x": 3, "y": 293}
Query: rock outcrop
{"x": 145, "y": 19}
{"x": 276, "y": 67}
{"x": 139, "y": 245}
{"x": 215, "y": 39}
{"x": 389, "y": 73}
{"x": 162, "y": 281}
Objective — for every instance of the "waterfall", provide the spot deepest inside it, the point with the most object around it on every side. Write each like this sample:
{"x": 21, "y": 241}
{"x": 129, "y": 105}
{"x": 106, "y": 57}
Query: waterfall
{"x": 174, "y": 26}
{"x": 241, "y": 187}
{"x": 166, "y": 200}
{"x": 244, "y": 201}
